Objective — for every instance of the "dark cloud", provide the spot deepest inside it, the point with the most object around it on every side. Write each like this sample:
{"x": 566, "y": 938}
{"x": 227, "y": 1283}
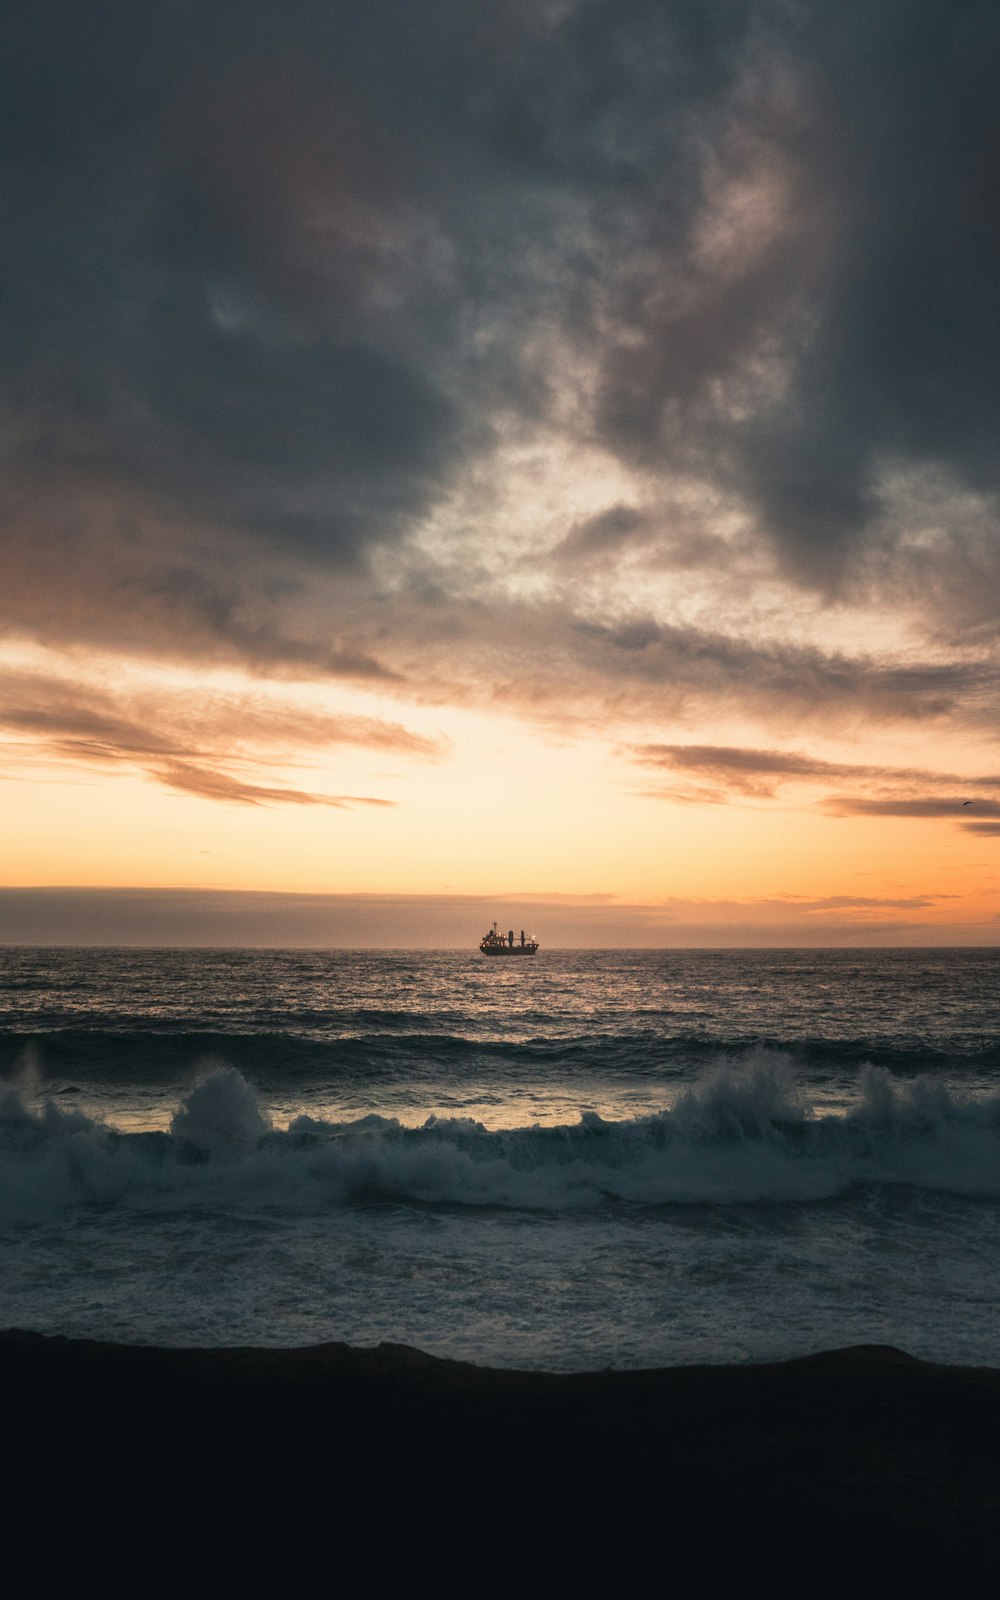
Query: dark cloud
{"x": 607, "y": 533}
{"x": 671, "y": 537}
{"x": 767, "y": 675}
{"x": 844, "y": 319}
{"x": 541, "y": 657}
{"x": 100, "y": 574}
{"x": 168, "y": 331}
{"x": 277, "y": 277}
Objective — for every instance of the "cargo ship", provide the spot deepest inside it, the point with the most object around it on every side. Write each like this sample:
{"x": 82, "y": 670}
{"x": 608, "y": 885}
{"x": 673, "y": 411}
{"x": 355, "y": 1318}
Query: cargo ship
{"x": 499, "y": 944}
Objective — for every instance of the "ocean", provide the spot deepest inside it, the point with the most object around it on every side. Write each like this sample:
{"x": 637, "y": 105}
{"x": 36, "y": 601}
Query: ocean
{"x": 582, "y": 1160}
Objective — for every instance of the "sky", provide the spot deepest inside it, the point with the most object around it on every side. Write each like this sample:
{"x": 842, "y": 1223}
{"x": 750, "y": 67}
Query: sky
{"x": 535, "y": 460}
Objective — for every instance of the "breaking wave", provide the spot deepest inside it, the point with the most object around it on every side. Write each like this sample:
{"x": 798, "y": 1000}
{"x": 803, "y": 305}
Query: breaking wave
{"x": 744, "y": 1134}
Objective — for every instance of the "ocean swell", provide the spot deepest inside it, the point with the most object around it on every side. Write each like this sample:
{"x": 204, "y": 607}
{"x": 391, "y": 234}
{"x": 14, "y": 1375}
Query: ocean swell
{"x": 352, "y": 1049}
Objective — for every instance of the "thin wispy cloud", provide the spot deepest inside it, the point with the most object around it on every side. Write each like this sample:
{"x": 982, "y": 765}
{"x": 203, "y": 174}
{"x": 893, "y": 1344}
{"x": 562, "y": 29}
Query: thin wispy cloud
{"x": 732, "y": 772}
{"x": 953, "y": 808}
{"x": 217, "y": 785}
{"x": 762, "y": 770}
{"x": 191, "y": 740}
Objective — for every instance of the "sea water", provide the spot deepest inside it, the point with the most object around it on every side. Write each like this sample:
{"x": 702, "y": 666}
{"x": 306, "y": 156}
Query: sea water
{"x": 585, "y": 1159}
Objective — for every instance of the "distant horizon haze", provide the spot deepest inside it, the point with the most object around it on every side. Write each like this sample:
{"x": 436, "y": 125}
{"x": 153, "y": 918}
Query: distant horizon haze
{"x": 184, "y": 917}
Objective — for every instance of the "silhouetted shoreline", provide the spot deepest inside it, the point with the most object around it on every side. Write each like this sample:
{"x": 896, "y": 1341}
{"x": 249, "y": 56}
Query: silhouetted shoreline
{"x": 896, "y": 1454}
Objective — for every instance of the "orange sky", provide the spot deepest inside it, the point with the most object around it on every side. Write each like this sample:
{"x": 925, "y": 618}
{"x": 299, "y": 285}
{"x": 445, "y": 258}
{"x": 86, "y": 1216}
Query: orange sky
{"x": 246, "y": 786}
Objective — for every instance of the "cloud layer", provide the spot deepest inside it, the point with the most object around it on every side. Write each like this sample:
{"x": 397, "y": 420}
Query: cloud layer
{"x": 311, "y": 309}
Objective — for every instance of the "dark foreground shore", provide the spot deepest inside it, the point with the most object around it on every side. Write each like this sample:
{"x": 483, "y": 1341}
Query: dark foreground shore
{"x": 853, "y": 1455}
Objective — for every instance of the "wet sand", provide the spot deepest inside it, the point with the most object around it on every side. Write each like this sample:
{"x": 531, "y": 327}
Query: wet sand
{"x": 861, "y": 1455}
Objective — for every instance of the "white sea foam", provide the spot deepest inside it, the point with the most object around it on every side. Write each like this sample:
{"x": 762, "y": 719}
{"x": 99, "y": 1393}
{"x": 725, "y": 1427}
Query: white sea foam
{"x": 744, "y": 1134}
{"x": 222, "y": 1114}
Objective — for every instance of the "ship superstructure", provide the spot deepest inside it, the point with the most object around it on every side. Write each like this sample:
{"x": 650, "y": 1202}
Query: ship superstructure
{"x": 495, "y": 943}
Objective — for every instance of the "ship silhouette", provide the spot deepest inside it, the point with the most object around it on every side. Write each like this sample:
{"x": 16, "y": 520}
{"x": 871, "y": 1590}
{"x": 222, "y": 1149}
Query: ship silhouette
{"x": 498, "y": 944}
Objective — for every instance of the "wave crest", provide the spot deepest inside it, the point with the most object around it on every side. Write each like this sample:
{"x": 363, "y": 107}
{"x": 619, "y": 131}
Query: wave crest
{"x": 221, "y": 1114}
{"x": 743, "y": 1134}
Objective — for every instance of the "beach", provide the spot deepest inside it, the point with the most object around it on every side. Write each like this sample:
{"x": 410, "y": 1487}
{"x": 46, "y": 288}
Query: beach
{"x": 896, "y": 1458}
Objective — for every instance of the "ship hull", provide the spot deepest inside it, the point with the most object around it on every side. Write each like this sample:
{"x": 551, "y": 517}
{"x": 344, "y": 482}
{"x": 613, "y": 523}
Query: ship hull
{"x": 508, "y": 950}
